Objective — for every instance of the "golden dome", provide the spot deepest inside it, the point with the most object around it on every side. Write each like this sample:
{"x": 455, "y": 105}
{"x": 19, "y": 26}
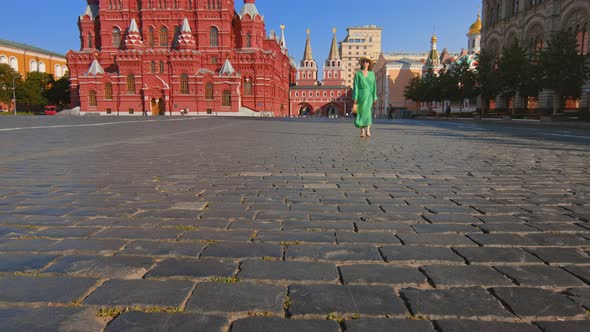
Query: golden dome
{"x": 475, "y": 27}
{"x": 434, "y": 39}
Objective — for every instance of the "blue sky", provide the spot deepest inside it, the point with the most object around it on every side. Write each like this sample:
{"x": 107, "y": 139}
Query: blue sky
{"x": 407, "y": 24}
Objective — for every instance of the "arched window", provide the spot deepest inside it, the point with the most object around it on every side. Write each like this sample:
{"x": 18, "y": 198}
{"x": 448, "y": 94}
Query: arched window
{"x": 163, "y": 36}
{"x": 3, "y": 59}
{"x": 247, "y": 86}
{"x": 89, "y": 42}
{"x": 184, "y": 84}
{"x": 153, "y": 67}
{"x": 226, "y": 98}
{"x": 151, "y": 40}
{"x": 33, "y": 66}
{"x": 209, "y": 91}
{"x": 213, "y": 37}
{"x": 116, "y": 37}
{"x": 64, "y": 70}
{"x": 42, "y": 68}
{"x": 131, "y": 84}
{"x": 108, "y": 91}
{"x": 162, "y": 67}
{"x": 13, "y": 63}
{"x": 248, "y": 40}
{"x": 57, "y": 71}
{"x": 92, "y": 98}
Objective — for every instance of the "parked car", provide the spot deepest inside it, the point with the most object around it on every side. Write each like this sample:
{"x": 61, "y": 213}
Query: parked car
{"x": 50, "y": 110}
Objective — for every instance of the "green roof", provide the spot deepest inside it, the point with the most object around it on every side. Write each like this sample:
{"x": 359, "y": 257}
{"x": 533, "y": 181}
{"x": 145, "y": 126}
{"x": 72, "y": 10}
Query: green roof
{"x": 9, "y": 43}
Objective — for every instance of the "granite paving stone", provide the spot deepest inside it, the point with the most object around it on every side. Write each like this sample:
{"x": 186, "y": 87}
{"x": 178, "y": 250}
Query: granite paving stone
{"x": 193, "y": 268}
{"x": 444, "y": 228}
{"x": 156, "y": 321}
{"x": 163, "y": 248}
{"x": 463, "y": 276}
{"x": 385, "y": 325}
{"x": 452, "y": 218}
{"x": 503, "y": 240}
{"x": 222, "y": 235}
{"x": 560, "y": 326}
{"x": 25, "y": 245}
{"x": 237, "y": 297}
{"x": 271, "y": 324}
{"x": 144, "y": 293}
{"x": 436, "y": 239}
{"x": 66, "y": 232}
{"x": 104, "y": 247}
{"x": 457, "y": 302}
{"x": 498, "y": 256}
{"x": 540, "y": 275}
{"x": 537, "y": 302}
{"x": 343, "y": 252}
{"x": 580, "y": 295}
{"x": 552, "y": 239}
{"x": 119, "y": 267}
{"x": 557, "y": 256}
{"x": 43, "y": 289}
{"x": 295, "y": 235}
{"x": 24, "y": 262}
{"x": 20, "y": 319}
{"x": 242, "y": 250}
{"x": 138, "y": 233}
{"x": 291, "y": 271}
{"x": 454, "y": 325}
{"x": 422, "y": 254}
{"x": 366, "y": 237}
{"x": 369, "y": 274}
{"x": 582, "y": 272}
{"x": 326, "y": 299}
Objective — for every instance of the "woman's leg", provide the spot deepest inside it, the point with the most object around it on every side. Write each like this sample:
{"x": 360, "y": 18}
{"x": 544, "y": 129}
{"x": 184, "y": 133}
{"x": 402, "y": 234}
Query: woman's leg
{"x": 362, "y": 131}
{"x": 369, "y": 131}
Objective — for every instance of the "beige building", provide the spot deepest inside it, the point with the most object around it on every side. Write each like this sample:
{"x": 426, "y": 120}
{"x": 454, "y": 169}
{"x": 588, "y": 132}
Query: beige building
{"x": 531, "y": 23}
{"x": 393, "y": 72}
{"x": 360, "y": 42}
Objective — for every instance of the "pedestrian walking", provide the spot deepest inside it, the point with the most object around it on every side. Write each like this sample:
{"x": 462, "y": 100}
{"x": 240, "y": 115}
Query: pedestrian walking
{"x": 448, "y": 110}
{"x": 364, "y": 95}
{"x": 390, "y": 112}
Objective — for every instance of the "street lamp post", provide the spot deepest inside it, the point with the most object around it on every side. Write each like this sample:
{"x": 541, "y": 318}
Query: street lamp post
{"x": 14, "y": 94}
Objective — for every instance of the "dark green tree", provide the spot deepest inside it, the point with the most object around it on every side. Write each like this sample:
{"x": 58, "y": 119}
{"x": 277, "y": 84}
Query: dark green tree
{"x": 34, "y": 89}
{"x": 59, "y": 92}
{"x": 7, "y": 75}
{"x": 564, "y": 68}
{"x": 487, "y": 78}
{"x": 464, "y": 81}
{"x": 512, "y": 72}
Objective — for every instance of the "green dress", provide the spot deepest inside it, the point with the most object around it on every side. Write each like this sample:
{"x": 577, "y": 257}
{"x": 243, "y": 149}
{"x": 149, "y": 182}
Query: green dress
{"x": 365, "y": 93}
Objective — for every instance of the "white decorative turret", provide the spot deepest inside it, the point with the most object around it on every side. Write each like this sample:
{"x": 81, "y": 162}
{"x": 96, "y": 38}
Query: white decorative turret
{"x": 250, "y": 9}
{"x": 95, "y": 68}
{"x": 283, "y": 42}
{"x": 186, "y": 38}
{"x": 227, "y": 69}
{"x": 133, "y": 39}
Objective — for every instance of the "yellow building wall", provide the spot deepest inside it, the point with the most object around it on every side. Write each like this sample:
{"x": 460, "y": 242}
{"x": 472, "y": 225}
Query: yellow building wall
{"x": 24, "y": 57}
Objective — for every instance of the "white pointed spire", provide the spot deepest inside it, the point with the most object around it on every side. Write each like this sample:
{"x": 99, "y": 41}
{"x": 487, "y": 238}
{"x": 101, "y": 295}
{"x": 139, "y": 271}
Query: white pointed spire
{"x": 227, "y": 69}
{"x": 283, "y": 41}
{"x": 95, "y": 68}
{"x": 133, "y": 26}
{"x": 185, "y": 26}
{"x": 91, "y": 11}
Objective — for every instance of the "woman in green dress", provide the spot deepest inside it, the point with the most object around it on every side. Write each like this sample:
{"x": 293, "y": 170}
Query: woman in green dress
{"x": 364, "y": 95}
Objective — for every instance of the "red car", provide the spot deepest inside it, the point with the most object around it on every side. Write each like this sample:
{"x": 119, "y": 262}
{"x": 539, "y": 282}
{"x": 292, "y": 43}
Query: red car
{"x": 50, "y": 110}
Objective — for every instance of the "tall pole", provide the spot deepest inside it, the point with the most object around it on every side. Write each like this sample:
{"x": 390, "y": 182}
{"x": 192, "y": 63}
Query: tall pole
{"x": 14, "y": 94}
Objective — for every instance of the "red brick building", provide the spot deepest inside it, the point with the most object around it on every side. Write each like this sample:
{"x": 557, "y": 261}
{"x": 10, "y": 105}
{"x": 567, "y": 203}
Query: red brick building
{"x": 331, "y": 97}
{"x": 165, "y": 56}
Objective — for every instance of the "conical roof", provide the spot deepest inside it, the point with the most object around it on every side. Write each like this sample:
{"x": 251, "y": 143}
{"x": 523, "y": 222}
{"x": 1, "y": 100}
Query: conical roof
{"x": 227, "y": 69}
{"x": 334, "y": 55}
{"x": 95, "y": 68}
{"x": 307, "y": 54}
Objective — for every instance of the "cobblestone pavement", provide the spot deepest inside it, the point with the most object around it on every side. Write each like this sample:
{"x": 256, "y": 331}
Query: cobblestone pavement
{"x": 292, "y": 225}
